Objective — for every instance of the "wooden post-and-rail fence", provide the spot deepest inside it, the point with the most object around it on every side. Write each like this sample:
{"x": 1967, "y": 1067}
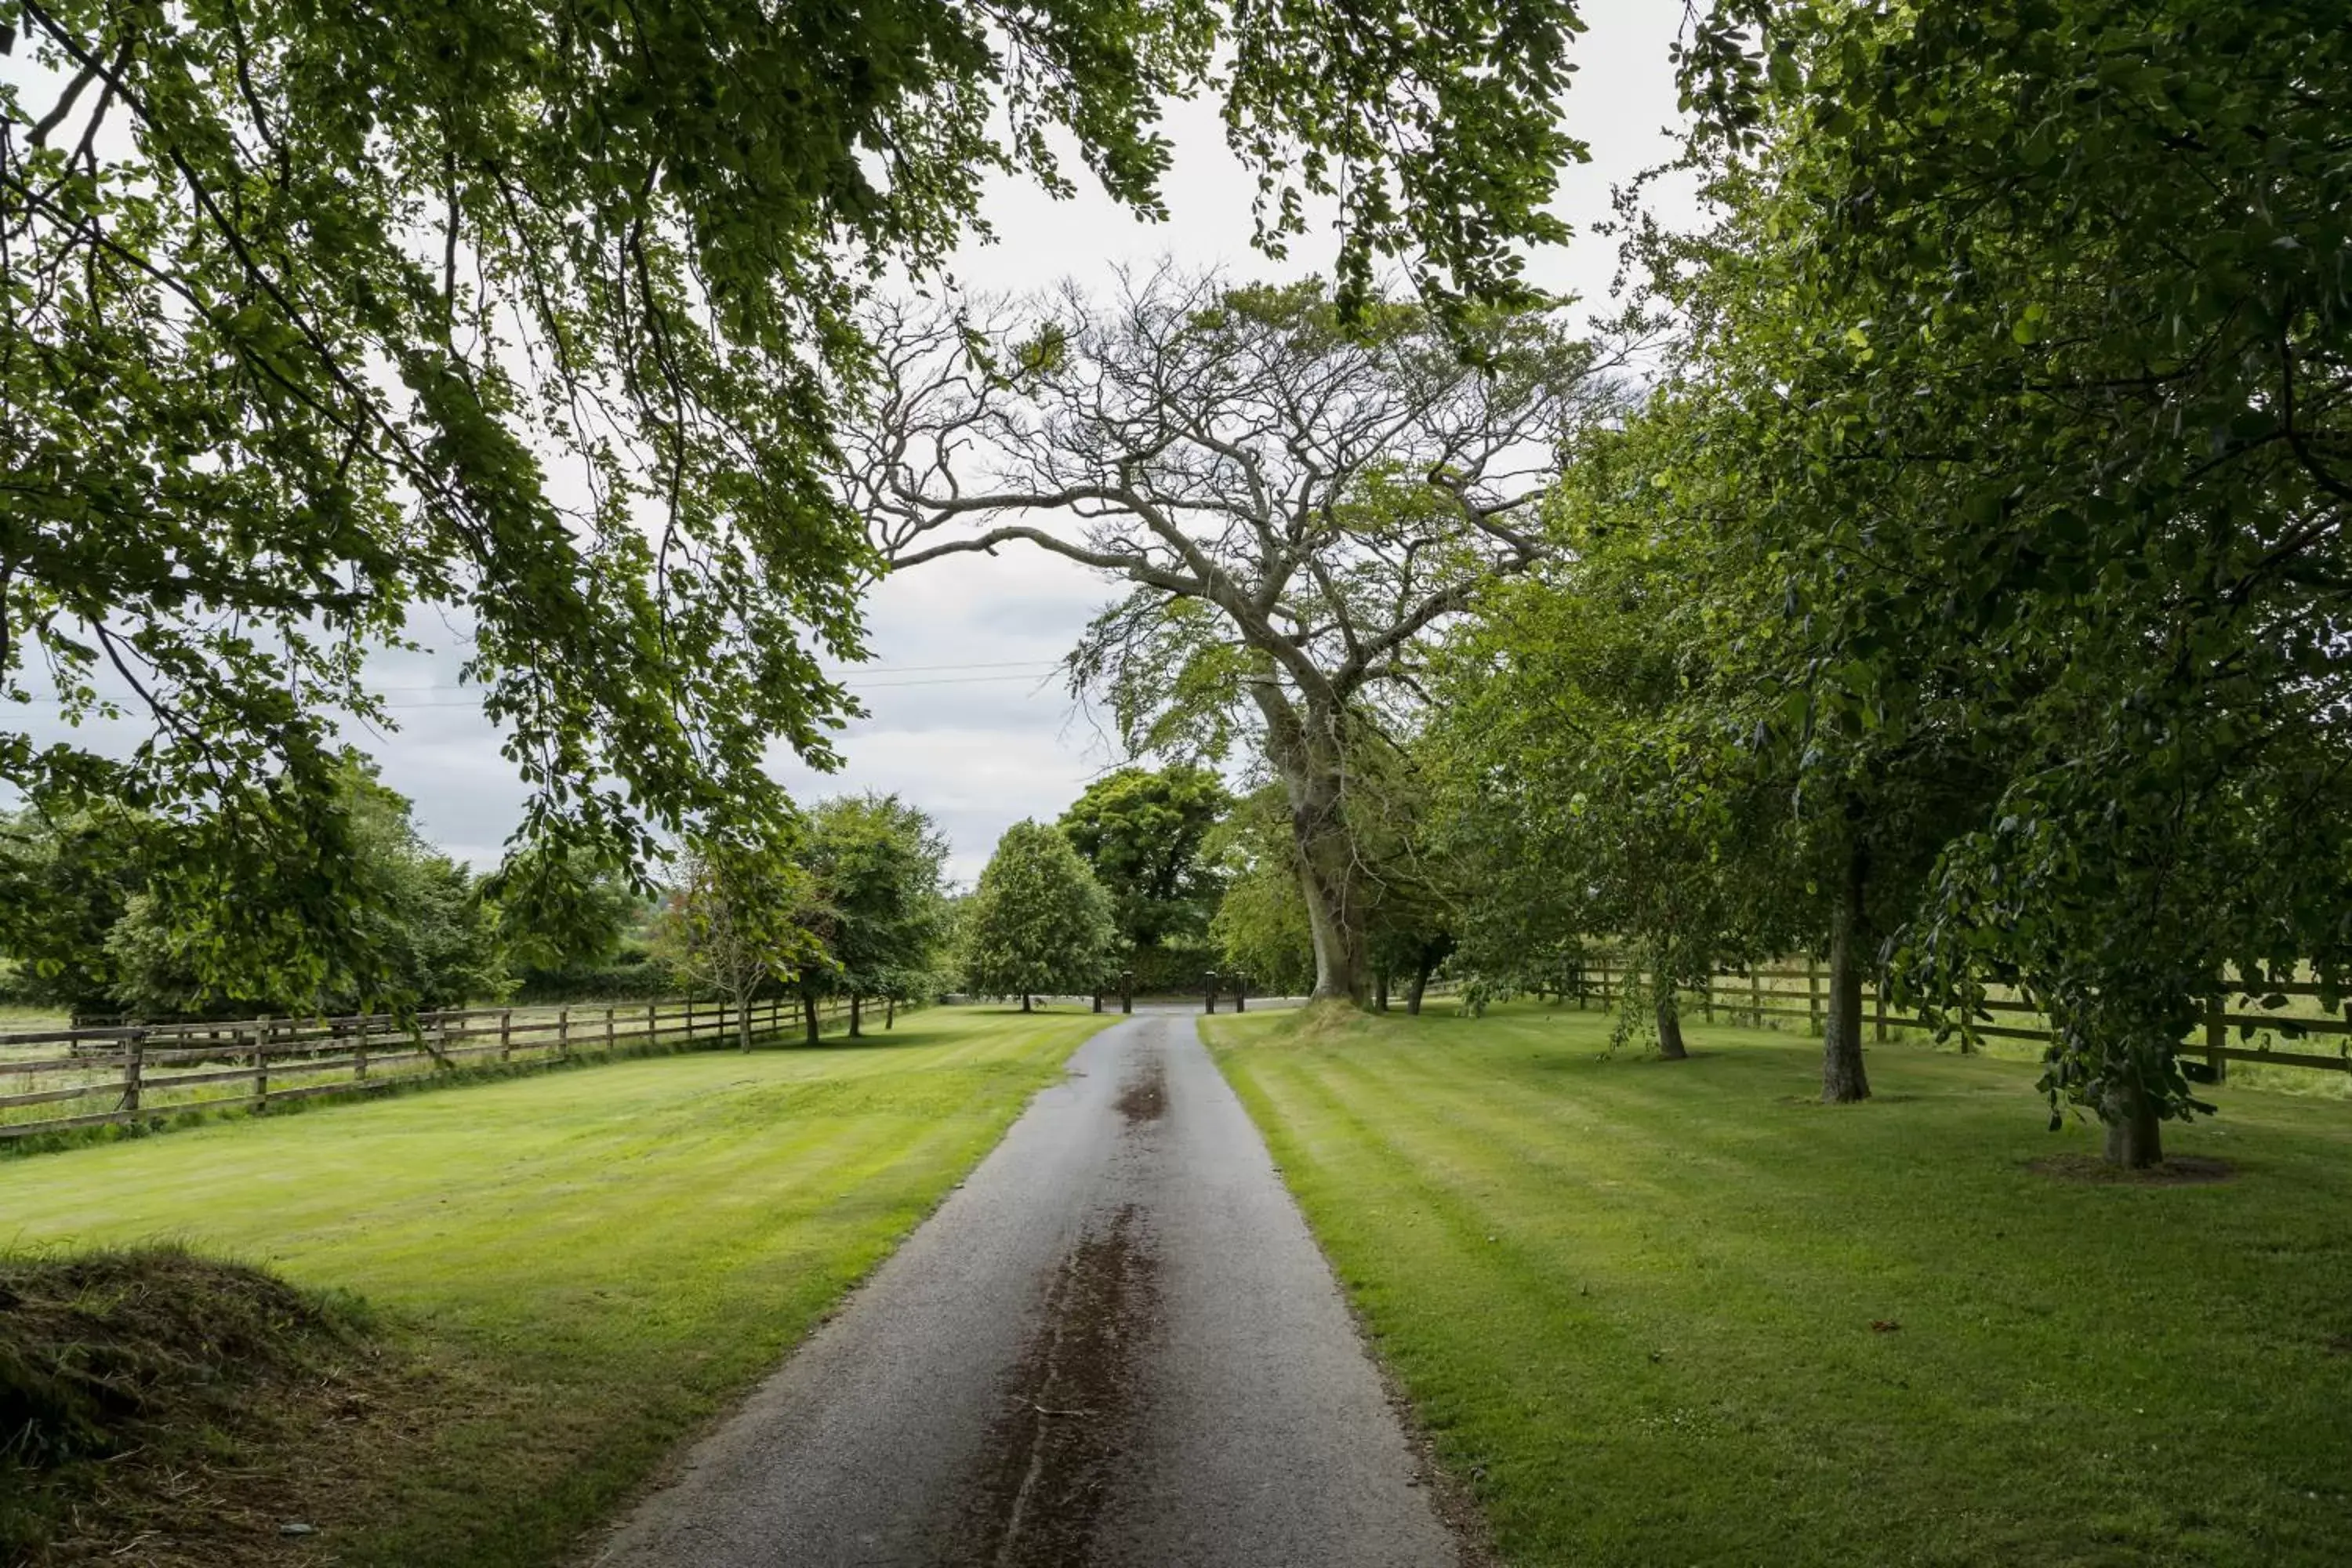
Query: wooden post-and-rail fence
{"x": 149, "y": 1071}
{"x": 1764, "y": 993}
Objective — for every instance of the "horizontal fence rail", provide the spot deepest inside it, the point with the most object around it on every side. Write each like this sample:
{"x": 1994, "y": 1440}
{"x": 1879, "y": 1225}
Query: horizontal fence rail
{"x": 55, "y": 1079}
{"x": 1764, "y": 993}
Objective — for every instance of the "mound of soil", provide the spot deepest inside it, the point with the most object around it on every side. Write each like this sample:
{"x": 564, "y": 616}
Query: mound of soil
{"x": 2186, "y": 1171}
{"x": 156, "y": 1408}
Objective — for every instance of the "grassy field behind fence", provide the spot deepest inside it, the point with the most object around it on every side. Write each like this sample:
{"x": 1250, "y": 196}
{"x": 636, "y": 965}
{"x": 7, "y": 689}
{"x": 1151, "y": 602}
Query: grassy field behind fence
{"x": 59, "y": 1079}
{"x": 1677, "y": 1312}
{"x": 2295, "y": 1045}
{"x": 591, "y": 1262}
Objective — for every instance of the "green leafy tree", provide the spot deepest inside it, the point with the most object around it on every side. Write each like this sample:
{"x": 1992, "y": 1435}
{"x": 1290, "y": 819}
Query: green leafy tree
{"x": 1298, "y": 499}
{"x": 64, "y": 884}
{"x": 1143, "y": 832}
{"x": 434, "y": 942}
{"x": 1261, "y": 927}
{"x": 1038, "y": 922}
{"x": 738, "y": 919}
{"x": 1591, "y": 742}
{"x": 1415, "y": 889}
{"x": 2030, "y": 379}
{"x": 599, "y": 907}
{"x": 875, "y": 866}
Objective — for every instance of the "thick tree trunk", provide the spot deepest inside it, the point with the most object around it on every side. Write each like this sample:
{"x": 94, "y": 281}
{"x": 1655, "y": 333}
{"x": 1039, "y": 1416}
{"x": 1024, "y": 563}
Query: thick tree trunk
{"x": 1842, "y": 1079}
{"x": 808, "y": 1017}
{"x": 1420, "y": 985}
{"x": 743, "y": 1023}
{"x": 1328, "y": 880}
{"x": 855, "y": 1017}
{"x": 1670, "y": 1027}
{"x": 2134, "y": 1132}
{"x": 1307, "y": 754}
{"x": 890, "y": 1014}
{"x": 1024, "y": 1001}
{"x": 1380, "y": 989}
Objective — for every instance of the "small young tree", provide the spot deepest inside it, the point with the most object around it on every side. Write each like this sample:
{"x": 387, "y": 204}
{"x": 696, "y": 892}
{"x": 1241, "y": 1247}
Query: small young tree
{"x": 1038, "y": 922}
{"x": 738, "y": 918}
{"x": 875, "y": 864}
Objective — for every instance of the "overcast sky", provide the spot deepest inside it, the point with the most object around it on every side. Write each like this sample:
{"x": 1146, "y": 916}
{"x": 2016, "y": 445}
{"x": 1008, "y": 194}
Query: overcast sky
{"x": 966, "y": 720}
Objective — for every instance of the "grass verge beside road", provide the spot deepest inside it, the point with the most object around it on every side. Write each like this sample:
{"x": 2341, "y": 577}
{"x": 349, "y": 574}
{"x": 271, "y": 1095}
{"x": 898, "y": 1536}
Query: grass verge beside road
{"x": 574, "y": 1268}
{"x": 1677, "y": 1312}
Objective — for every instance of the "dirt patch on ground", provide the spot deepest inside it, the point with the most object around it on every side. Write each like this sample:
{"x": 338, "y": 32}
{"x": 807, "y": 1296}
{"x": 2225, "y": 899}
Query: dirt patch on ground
{"x": 1144, "y": 1097}
{"x": 1072, "y": 1410}
{"x": 163, "y": 1409}
{"x": 2187, "y": 1171}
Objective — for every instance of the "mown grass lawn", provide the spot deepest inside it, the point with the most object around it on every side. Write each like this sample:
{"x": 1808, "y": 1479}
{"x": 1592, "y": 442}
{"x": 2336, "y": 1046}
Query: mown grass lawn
{"x": 589, "y": 1261}
{"x": 1647, "y": 1309}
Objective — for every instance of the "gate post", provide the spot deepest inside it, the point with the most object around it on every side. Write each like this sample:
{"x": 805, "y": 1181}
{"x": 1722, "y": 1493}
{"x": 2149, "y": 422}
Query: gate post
{"x": 134, "y": 1068}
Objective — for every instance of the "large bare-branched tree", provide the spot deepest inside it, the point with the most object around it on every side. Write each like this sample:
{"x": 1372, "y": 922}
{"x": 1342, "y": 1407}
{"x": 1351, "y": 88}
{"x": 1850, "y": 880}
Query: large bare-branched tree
{"x": 1298, "y": 501}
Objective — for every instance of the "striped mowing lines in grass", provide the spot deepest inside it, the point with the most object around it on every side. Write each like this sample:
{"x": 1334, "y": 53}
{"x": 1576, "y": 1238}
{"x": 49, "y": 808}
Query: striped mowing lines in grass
{"x": 1675, "y": 1312}
{"x": 591, "y": 1262}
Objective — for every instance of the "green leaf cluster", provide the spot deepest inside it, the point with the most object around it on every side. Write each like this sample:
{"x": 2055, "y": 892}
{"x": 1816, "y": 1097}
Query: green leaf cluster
{"x": 874, "y": 865}
{"x": 1038, "y": 922}
{"x": 1144, "y": 832}
{"x": 116, "y": 912}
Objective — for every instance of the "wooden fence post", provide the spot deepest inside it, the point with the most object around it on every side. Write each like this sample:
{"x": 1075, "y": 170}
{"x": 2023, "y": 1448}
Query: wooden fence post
{"x": 611, "y": 1029}
{"x": 262, "y": 1032}
{"x": 1813, "y": 992}
{"x": 1755, "y": 998}
{"x": 1878, "y": 1004}
{"x": 1707, "y": 995}
{"x": 689, "y": 1021}
{"x": 2215, "y": 1031}
{"x": 506, "y": 1033}
{"x": 653, "y": 1022}
{"x": 564, "y": 1034}
{"x": 134, "y": 1068}
{"x": 358, "y": 1055}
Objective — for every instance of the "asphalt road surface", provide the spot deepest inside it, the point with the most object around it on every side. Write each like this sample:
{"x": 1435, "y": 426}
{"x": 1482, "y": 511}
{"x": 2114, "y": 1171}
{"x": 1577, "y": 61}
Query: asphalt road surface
{"x": 1115, "y": 1344}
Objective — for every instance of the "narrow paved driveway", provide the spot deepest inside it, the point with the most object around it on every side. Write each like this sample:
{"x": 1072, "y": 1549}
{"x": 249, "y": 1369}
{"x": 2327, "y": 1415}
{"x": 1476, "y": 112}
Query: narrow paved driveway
{"x": 1116, "y": 1344}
